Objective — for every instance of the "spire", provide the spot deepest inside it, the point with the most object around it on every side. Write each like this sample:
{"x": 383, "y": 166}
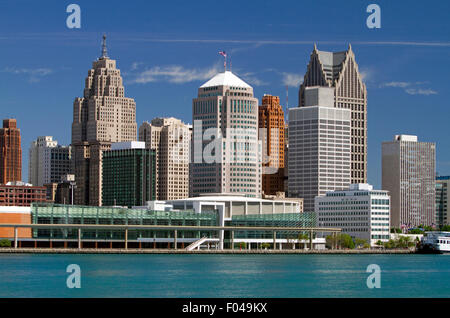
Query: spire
{"x": 315, "y": 46}
{"x": 104, "y": 50}
{"x": 349, "y": 47}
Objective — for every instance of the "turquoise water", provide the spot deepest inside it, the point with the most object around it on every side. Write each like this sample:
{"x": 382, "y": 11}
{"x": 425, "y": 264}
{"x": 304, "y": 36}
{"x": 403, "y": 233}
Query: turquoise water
{"x": 33, "y": 275}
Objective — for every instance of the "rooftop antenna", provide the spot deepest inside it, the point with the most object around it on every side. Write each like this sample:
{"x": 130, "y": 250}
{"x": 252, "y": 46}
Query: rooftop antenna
{"x": 104, "y": 50}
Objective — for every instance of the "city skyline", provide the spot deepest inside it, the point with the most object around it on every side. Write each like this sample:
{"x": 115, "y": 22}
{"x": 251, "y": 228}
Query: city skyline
{"x": 400, "y": 96}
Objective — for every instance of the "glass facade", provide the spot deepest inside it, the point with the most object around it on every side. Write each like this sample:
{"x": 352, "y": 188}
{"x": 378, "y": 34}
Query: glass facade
{"x": 275, "y": 220}
{"x": 46, "y": 213}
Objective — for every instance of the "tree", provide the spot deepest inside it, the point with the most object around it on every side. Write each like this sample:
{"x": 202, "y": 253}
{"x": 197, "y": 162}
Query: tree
{"x": 359, "y": 242}
{"x": 265, "y": 245}
{"x": 5, "y": 243}
{"x": 341, "y": 240}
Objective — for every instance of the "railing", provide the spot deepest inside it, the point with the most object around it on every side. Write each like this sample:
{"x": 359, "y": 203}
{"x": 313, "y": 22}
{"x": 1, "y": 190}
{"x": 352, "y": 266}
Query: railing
{"x": 174, "y": 228}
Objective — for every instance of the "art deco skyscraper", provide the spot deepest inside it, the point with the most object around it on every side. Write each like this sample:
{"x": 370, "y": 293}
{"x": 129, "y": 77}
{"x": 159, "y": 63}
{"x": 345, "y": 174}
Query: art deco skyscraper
{"x": 408, "y": 172}
{"x": 272, "y": 134}
{"x": 340, "y": 71}
{"x": 102, "y": 116}
{"x": 10, "y": 152}
{"x": 226, "y": 151}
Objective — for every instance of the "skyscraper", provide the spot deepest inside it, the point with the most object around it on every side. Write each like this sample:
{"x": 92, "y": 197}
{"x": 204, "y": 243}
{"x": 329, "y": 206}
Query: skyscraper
{"x": 48, "y": 161}
{"x": 319, "y": 147}
{"x": 339, "y": 70}
{"x": 272, "y": 136}
{"x": 128, "y": 175}
{"x": 442, "y": 199}
{"x": 102, "y": 116}
{"x": 170, "y": 138}
{"x": 408, "y": 173}
{"x": 226, "y": 156}
{"x": 10, "y": 152}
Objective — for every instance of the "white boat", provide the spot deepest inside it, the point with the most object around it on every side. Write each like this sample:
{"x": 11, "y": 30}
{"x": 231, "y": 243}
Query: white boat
{"x": 435, "y": 242}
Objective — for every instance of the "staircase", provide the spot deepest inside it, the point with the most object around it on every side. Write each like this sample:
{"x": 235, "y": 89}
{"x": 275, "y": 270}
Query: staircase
{"x": 199, "y": 242}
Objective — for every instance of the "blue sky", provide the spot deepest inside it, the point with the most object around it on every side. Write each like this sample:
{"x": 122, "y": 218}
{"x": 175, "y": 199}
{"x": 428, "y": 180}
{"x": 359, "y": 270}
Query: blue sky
{"x": 167, "y": 49}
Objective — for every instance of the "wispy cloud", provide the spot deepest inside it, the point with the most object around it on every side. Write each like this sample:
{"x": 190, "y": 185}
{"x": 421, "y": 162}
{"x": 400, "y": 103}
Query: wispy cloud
{"x": 174, "y": 74}
{"x": 292, "y": 79}
{"x": 411, "y": 88}
{"x": 35, "y": 75}
{"x": 251, "y": 78}
{"x": 420, "y": 91}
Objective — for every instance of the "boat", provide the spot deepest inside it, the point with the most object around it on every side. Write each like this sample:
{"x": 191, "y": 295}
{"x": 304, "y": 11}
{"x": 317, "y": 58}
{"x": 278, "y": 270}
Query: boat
{"x": 435, "y": 243}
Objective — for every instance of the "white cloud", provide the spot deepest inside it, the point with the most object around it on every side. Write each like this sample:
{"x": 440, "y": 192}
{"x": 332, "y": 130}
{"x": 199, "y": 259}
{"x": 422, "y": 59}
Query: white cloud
{"x": 411, "y": 88}
{"x": 292, "y": 79}
{"x": 34, "y": 74}
{"x": 396, "y": 84}
{"x": 175, "y": 74}
{"x": 420, "y": 91}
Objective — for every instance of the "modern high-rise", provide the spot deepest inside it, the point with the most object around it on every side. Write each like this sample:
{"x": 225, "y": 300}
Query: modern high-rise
{"x": 272, "y": 136}
{"x": 408, "y": 173}
{"x": 442, "y": 199}
{"x": 10, "y": 152}
{"x": 359, "y": 211}
{"x": 48, "y": 161}
{"x": 101, "y": 117}
{"x": 339, "y": 71}
{"x": 128, "y": 174}
{"x": 226, "y": 153}
{"x": 170, "y": 138}
{"x": 319, "y": 147}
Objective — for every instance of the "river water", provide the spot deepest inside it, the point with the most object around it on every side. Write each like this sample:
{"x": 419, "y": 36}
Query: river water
{"x": 44, "y": 275}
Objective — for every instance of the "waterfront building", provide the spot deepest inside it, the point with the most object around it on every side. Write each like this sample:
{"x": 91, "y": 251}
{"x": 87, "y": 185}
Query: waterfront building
{"x": 408, "y": 173}
{"x": 15, "y": 215}
{"x": 170, "y": 138}
{"x": 48, "y": 161}
{"x": 10, "y": 152}
{"x": 319, "y": 147}
{"x": 21, "y": 194}
{"x": 359, "y": 211}
{"x": 272, "y": 136}
{"x": 226, "y": 156}
{"x": 128, "y": 174}
{"x": 101, "y": 117}
{"x": 442, "y": 199}
{"x": 339, "y": 71}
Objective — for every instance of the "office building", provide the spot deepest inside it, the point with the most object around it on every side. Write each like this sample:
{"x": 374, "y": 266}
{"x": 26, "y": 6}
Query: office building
{"x": 319, "y": 147}
{"x": 170, "y": 138}
{"x": 101, "y": 117}
{"x": 272, "y": 136}
{"x": 128, "y": 174}
{"x": 19, "y": 193}
{"x": 442, "y": 199}
{"x": 10, "y": 152}
{"x": 48, "y": 161}
{"x": 226, "y": 153}
{"x": 339, "y": 71}
{"x": 408, "y": 173}
{"x": 359, "y": 210}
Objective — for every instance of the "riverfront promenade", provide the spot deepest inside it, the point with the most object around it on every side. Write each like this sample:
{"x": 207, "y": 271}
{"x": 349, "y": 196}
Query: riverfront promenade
{"x": 183, "y": 251}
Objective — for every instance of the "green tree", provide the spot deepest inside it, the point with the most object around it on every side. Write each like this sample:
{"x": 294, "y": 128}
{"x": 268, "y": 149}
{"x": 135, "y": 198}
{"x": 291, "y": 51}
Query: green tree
{"x": 359, "y": 242}
{"x": 5, "y": 243}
